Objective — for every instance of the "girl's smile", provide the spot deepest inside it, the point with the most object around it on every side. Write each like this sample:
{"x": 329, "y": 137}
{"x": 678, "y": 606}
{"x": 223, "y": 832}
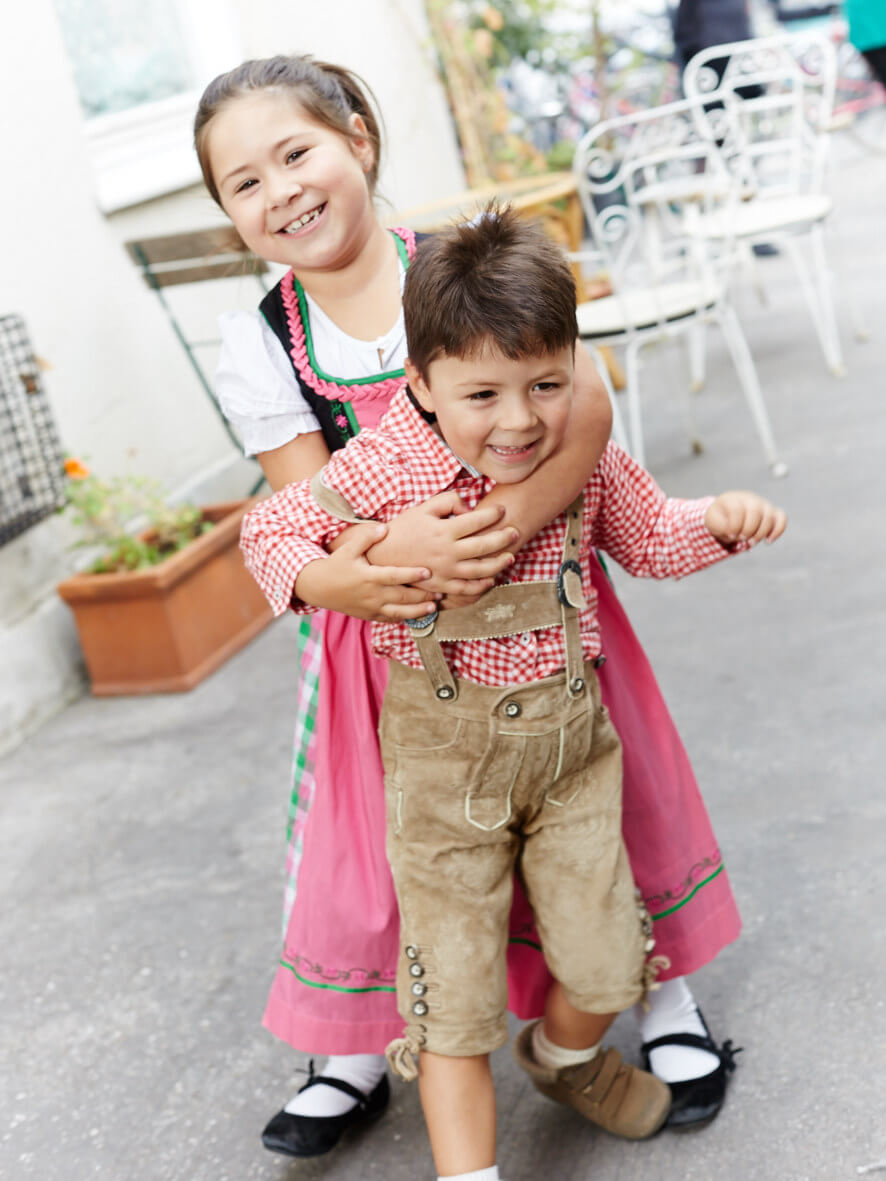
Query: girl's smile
{"x": 306, "y": 219}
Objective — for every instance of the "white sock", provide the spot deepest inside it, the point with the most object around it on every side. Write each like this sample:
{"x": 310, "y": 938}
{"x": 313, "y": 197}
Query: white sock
{"x": 554, "y": 1057}
{"x": 490, "y": 1174}
{"x": 672, "y": 1009}
{"x": 362, "y": 1071}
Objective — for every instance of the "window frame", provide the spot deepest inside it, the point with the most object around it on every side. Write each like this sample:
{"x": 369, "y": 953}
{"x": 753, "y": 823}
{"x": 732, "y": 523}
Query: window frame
{"x": 147, "y": 151}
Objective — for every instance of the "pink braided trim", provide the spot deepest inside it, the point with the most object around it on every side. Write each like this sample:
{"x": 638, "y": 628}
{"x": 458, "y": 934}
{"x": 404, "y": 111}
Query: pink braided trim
{"x": 335, "y": 391}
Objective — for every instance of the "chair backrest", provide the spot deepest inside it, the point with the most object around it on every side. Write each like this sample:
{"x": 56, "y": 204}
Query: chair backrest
{"x": 174, "y": 260}
{"x": 637, "y": 177}
{"x": 783, "y": 90}
{"x": 216, "y": 253}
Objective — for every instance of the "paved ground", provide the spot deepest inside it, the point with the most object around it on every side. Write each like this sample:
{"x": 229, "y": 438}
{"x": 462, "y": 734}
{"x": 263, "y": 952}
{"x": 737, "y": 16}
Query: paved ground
{"x": 141, "y": 840}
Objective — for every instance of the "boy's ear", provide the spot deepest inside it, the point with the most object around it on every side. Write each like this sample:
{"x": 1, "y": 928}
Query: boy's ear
{"x": 419, "y": 387}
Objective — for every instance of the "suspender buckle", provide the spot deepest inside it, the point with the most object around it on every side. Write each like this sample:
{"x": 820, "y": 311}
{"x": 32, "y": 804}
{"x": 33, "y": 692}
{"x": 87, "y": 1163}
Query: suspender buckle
{"x": 569, "y": 589}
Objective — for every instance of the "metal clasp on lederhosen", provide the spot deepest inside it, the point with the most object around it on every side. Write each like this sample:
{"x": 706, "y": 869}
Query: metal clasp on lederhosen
{"x": 507, "y": 610}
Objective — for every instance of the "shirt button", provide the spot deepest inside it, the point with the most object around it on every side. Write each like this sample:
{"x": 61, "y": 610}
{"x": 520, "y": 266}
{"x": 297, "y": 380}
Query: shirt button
{"x": 416, "y": 970}
{"x": 512, "y": 709}
{"x": 419, "y": 1008}
{"x": 411, "y": 953}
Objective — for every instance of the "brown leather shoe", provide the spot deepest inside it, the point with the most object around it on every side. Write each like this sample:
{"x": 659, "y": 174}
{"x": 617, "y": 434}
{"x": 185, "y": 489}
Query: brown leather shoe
{"x": 622, "y": 1099}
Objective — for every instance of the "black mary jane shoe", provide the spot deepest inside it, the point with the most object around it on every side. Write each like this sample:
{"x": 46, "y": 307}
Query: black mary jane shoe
{"x": 314, "y": 1135}
{"x": 696, "y": 1101}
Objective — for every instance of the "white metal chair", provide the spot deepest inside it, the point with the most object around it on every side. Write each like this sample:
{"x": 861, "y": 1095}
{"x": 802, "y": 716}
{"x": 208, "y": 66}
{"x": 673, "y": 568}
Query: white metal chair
{"x": 781, "y": 91}
{"x": 643, "y": 178}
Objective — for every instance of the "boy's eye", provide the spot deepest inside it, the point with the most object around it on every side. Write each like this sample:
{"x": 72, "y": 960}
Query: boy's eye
{"x": 482, "y": 395}
{"x": 245, "y": 184}
{"x": 546, "y": 385}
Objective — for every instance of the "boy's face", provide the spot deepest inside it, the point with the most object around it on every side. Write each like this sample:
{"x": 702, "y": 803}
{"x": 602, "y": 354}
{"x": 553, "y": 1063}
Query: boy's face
{"x": 503, "y": 417}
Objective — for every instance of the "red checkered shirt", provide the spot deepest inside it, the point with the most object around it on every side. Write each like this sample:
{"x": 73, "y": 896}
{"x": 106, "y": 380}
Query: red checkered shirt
{"x": 404, "y": 462}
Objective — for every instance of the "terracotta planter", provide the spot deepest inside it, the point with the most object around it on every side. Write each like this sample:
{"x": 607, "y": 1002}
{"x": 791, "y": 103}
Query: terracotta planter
{"x": 164, "y": 629}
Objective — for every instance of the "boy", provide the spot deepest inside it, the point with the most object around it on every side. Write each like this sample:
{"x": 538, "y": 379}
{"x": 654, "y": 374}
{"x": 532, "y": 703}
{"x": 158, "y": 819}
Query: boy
{"x": 497, "y": 750}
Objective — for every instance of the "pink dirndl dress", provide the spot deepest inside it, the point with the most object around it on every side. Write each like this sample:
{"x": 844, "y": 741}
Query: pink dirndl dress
{"x": 334, "y": 988}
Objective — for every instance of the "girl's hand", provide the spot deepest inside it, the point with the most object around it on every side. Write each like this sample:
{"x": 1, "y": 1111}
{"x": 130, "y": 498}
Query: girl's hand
{"x": 744, "y": 516}
{"x": 463, "y": 549}
{"x": 346, "y": 581}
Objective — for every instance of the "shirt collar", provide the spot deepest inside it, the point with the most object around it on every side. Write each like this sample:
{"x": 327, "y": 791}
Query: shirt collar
{"x": 411, "y": 426}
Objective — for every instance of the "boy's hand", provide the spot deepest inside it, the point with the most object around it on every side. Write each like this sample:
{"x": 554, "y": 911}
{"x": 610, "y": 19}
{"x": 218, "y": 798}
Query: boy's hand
{"x": 346, "y": 581}
{"x": 462, "y": 548}
{"x": 744, "y": 516}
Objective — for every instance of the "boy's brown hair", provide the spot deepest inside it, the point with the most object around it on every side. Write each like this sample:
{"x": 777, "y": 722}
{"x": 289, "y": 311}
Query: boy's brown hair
{"x": 496, "y": 280}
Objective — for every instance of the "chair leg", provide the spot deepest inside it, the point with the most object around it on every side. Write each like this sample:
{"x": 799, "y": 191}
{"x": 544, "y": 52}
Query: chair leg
{"x": 826, "y": 300}
{"x": 619, "y": 432}
{"x": 750, "y": 265}
{"x": 857, "y": 318}
{"x": 696, "y": 350}
{"x": 833, "y": 359}
{"x": 750, "y": 384}
{"x": 632, "y": 374}
{"x": 689, "y": 395}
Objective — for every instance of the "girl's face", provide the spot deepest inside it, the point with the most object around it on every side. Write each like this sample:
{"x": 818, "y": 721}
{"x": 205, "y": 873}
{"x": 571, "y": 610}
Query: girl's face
{"x": 295, "y": 190}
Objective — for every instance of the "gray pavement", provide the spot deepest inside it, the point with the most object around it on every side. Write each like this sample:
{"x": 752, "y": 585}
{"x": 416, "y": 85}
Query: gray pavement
{"x": 141, "y": 843}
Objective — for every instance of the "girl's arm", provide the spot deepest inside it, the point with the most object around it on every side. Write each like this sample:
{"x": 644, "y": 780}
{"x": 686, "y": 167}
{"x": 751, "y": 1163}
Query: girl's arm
{"x": 365, "y": 585}
{"x": 299, "y": 459}
{"x": 346, "y": 582}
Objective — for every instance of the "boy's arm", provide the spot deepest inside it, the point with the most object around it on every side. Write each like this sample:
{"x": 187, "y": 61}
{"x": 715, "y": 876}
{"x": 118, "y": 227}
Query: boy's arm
{"x": 654, "y": 536}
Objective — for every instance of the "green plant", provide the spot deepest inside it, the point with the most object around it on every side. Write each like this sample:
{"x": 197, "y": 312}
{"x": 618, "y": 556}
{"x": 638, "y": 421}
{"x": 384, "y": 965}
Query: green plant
{"x": 104, "y": 510}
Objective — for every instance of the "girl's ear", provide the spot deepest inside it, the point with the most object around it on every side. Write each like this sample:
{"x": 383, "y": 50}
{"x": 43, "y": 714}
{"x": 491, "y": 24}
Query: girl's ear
{"x": 419, "y": 387}
{"x": 361, "y": 145}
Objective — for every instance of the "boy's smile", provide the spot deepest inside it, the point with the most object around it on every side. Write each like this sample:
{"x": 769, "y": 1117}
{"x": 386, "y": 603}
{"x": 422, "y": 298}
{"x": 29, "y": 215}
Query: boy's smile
{"x": 504, "y": 417}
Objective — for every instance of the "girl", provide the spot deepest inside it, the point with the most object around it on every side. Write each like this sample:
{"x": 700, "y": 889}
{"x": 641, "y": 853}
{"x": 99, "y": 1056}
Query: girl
{"x": 290, "y": 148}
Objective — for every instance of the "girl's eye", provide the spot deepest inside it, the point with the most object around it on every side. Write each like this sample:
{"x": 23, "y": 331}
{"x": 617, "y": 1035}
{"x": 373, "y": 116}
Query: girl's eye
{"x": 294, "y": 155}
{"x": 544, "y": 386}
{"x": 245, "y": 184}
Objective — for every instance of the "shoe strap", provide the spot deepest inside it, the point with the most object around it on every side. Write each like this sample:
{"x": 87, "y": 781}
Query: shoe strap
{"x": 595, "y": 1078}
{"x": 338, "y": 1084}
{"x": 726, "y": 1053}
{"x": 694, "y": 1040}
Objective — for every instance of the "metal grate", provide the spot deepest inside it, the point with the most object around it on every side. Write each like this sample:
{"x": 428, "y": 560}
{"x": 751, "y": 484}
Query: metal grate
{"x": 31, "y": 460}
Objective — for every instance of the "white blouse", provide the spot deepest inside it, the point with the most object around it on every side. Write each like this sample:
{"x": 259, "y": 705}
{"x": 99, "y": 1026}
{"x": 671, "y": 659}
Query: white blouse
{"x": 256, "y": 385}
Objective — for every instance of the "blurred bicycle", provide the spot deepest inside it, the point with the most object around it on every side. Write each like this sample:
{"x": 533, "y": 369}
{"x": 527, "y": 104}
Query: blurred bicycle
{"x": 860, "y": 98}
{"x": 860, "y": 101}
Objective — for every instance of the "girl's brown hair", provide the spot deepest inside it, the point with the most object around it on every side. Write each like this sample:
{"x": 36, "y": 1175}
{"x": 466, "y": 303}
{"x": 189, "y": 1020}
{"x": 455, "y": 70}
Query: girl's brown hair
{"x": 327, "y": 93}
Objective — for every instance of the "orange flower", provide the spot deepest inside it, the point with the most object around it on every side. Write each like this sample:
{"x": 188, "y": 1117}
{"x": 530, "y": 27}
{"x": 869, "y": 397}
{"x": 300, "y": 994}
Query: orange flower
{"x": 75, "y": 470}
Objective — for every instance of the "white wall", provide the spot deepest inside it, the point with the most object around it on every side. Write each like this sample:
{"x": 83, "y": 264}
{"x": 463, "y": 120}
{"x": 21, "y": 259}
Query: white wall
{"x": 121, "y": 387}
